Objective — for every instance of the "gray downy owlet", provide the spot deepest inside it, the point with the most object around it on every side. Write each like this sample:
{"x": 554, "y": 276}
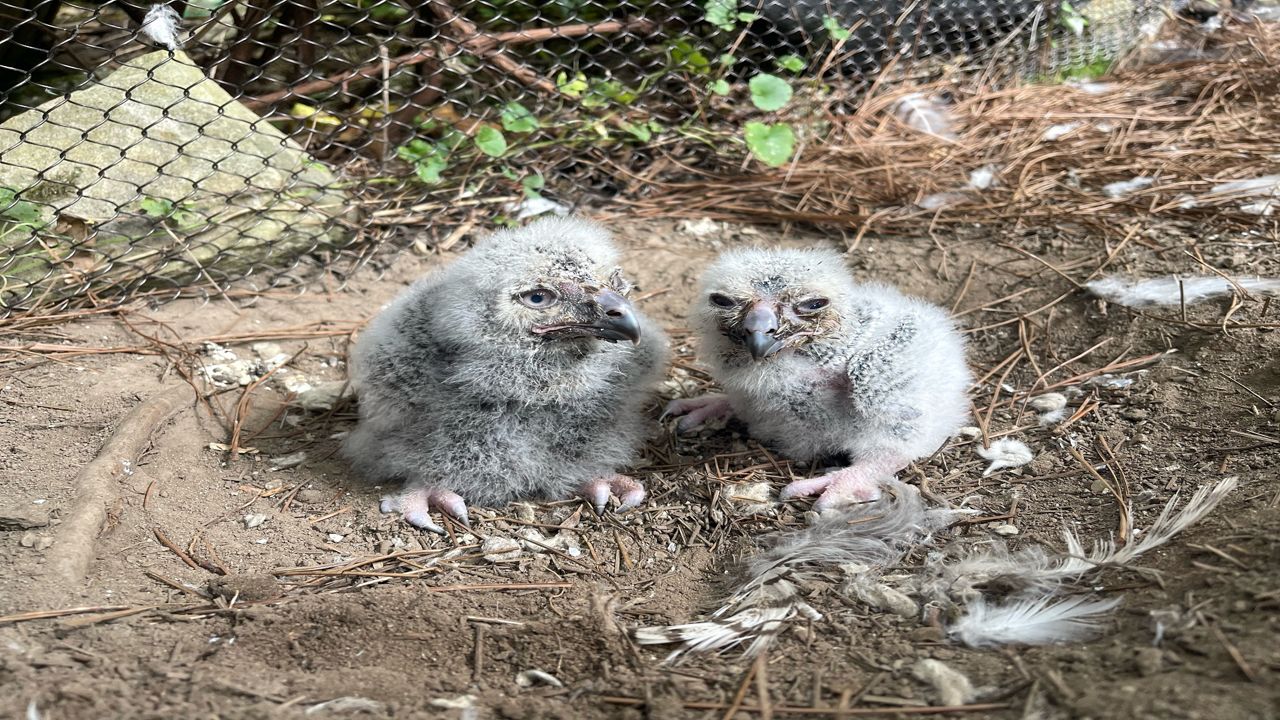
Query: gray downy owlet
{"x": 520, "y": 370}
{"x": 822, "y": 367}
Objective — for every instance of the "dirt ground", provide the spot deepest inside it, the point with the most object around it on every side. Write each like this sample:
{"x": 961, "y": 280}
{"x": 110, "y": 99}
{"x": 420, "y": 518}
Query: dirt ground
{"x": 429, "y": 627}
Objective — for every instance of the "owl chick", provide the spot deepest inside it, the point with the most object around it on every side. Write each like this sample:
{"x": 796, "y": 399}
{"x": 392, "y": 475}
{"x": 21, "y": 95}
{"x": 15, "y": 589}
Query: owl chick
{"x": 823, "y": 368}
{"x": 518, "y": 371}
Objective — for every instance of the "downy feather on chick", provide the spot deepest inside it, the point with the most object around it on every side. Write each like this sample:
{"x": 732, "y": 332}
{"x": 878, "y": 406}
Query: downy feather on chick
{"x": 520, "y": 370}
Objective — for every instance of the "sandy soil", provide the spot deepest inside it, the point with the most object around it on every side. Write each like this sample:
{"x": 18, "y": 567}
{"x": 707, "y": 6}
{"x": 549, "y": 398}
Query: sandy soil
{"x": 433, "y": 629}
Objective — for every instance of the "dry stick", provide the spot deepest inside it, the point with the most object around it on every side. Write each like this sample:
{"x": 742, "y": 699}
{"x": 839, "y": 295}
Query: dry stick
{"x": 182, "y": 555}
{"x": 479, "y": 44}
{"x": 50, "y": 614}
{"x": 740, "y": 695}
{"x": 96, "y": 484}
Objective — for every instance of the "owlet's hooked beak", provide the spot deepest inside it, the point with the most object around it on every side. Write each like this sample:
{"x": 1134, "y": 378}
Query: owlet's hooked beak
{"x": 617, "y": 319}
{"x": 759, "y": 327}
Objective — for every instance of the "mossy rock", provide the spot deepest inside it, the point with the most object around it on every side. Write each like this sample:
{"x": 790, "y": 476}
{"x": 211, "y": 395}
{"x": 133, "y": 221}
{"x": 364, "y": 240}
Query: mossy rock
{"x": 155, "y": 133}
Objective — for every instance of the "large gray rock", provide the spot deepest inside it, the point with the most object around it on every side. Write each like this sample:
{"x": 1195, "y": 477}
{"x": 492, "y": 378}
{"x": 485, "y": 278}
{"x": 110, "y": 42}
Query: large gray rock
{"x": 156, "y": 133}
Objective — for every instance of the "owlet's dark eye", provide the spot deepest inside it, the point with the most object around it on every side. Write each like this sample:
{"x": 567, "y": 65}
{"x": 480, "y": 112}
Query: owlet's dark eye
{"x": 539, "y": 299}
{"x": 723, "y": 301}
{"x": 812, "y": 305}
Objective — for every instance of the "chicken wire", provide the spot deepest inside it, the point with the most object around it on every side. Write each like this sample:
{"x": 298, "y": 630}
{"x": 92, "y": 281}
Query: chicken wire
{"x": 283, "y": 132}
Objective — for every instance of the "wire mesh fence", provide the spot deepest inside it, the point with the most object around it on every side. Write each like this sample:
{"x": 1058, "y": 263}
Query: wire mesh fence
{"x": 158, "y": 149}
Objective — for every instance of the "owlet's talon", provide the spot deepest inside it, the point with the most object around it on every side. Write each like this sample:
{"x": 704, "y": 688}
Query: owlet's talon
{"x": 629, "y": 491}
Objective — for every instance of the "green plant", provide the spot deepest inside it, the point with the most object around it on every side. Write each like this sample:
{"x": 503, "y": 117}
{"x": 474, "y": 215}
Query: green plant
{"x": 833, "y": 27}
{"x": 769, "y": 92}
{"x": 517, "y": 118}
{"x": 773, "y": 144}
{"x": 16, "y": 211}
{"x": 491, "y": 141}
{"x": 174, "y": 214}
{"x": 724, "y": 14}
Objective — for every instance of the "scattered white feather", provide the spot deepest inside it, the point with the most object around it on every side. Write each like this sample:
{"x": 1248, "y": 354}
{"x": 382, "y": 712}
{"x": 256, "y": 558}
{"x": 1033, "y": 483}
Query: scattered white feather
{"x": 940, "y": 200}
{"x": 926, "y": 114}
{"x": 1052, "y": 407}
{"x": 952, "y": 686}
{"x": 754, "y": 625}
{"x": 1035, "y": 569}
{"x": 1174, "y": 290}
{"x": 1031, "y": 621}
{"x": 873, "y": 535}
{"x": 1055, "y": 132}
{"x": 162, "y": 25}
{"x": 33, "y": 711}
{"x": 1267, "y": 185}
{"x": 1090, "y": 87}
{"x": 535, "y": 206}
{"x": 1126, "y": 187}
{"x": 1005, "y": 453}
{"x": 983, "y": 178}
{"x": 1262, "y": 194}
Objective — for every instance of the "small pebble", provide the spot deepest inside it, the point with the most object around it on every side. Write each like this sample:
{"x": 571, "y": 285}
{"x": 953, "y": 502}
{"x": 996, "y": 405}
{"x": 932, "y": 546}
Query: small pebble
{"x": 1048, "y": 402}
{"x": 284, "y": 462}
{"x": 336, "y": 537}
{"x": 1006, "y": 530}
{"x": 1135, "y": 414}
{"x": 253, "y": 521}
{"x": 528, "y": 678}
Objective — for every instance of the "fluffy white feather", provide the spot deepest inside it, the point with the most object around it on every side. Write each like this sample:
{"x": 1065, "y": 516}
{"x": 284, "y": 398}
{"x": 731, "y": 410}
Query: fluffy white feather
{"x": 1031, "y": 621}
{"x": 161, "y": 24}
{"x": 926, "y": 114}
{"x": 1005, "y": 453}
{"x": 1175, "y": 291}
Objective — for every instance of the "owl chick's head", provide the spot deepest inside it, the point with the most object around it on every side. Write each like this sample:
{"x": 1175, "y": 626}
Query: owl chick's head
{"x": 552, "y": 281}
{"x": 763, "y": 301}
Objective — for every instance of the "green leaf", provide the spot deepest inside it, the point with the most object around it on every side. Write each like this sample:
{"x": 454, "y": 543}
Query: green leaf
{"x": 771, "y": 144}
{"x": 17, "y": 211}
{"x": 491, "y": 142}
{"x": 517, "y": 118}
{"x": 837, "y": 33}
{"x": 573, "y": 88}
{"x": 532, "y": 184}
{"x": 687, "y": 57}
{"x": 640, "y": 132}
{"x": 792, "y": 63}
{"x": 156, "y": 207}
{"x": 769, "y": 92}
{"x": 748, "y": 17}
{"x": 428, "y": 171}
{"x": 727, "y": 59}
{"x": 720, "y": 87}
{"x": 721, "y": 13}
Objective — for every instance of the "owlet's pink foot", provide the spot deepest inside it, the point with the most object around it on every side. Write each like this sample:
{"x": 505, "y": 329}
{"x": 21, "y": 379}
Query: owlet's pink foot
{"x": 845, "y": 486}
{"x": 629, "y": 491}
{"x": 698, "y": 411}
{"x": 415, "y": 503}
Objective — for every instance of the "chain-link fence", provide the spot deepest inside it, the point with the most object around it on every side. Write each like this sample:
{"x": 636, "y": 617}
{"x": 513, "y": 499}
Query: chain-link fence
{"x": 156, "y": 148}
